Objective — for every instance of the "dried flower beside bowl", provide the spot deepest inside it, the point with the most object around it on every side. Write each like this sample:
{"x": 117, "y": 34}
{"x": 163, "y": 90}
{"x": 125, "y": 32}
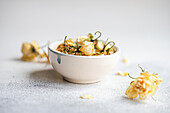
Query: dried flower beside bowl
{"x": 31, "y": 52}
{"x": 144, "y": 85}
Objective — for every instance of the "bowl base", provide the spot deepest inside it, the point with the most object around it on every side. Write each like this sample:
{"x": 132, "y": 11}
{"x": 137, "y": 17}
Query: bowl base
{"x": 81, "y": 82}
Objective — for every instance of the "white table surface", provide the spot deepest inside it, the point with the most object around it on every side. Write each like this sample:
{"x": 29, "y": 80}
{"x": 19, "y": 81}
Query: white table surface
{"x": 141, "y": 28}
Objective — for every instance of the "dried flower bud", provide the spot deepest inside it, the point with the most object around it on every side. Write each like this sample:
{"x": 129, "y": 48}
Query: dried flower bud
{"x": 87, "y": 49}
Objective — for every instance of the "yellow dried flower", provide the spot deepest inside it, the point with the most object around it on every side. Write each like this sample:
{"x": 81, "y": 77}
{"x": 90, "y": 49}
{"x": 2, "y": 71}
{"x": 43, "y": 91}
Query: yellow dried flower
{"x": 100, "y": 45}
{"x": 86, "y": 97}
{"x": 80, "y": 40}
{"x": 146, "y": 84}
{"x": 70, "y": 42}
{"x": 30, "y": 51}
{"x": 87, "y": 49}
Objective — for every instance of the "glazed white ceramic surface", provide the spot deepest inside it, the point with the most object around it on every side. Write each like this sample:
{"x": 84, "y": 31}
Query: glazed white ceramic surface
{"x": 81, "y": 69}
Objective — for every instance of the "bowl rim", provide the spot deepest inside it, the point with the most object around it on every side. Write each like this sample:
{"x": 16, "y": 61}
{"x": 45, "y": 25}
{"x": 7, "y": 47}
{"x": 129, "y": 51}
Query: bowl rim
{"x": 63, "y": 54}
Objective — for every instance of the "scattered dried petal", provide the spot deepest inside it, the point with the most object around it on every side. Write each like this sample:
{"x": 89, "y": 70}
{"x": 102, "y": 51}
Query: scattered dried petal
{"x": 126, "y": 73}
{"x": 122, "y": 74}
{"x": 125, "y": 60}
{"x": 86, "y": 97}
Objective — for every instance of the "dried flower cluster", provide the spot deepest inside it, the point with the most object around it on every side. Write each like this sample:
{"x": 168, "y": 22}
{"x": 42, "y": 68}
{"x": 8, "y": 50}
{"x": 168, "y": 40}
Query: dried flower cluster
{"x": 87, "y": 46}
{"x": 146, "y": 84}
{"x": 31, "y": 51}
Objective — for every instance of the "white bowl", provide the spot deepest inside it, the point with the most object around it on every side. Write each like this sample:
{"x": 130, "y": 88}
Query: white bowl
{"x": 81, "y": 69}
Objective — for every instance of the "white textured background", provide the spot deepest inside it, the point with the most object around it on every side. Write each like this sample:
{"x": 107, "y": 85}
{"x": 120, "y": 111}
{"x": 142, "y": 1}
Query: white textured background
{"x": 141, "y": 28}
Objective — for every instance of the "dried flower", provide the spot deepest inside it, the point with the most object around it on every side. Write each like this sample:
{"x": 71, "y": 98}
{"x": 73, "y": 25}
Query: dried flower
{"x": 82, "y": 39}
{"x": 87, "y": 49}
{"x": 31, "y": 51}
{"x": 99, "y": 45}
{"x": 70, "y": 42}
{"x": 146, "y": 84}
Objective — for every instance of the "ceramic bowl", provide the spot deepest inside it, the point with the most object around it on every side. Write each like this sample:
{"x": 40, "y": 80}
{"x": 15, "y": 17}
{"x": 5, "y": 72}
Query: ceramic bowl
{"x": 81, "y": 69}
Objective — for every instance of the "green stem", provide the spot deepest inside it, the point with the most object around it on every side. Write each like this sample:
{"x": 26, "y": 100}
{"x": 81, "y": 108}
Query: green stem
{"x": 96, "y": 48}
{"x": 106, "y": 41}
{"x": 86, "y": 39}
{"x": 65, "y": 48}
{"x": 131, "y": 76}
{"x": 108, "y": 44}
{"x": 65, "y": 40}
{"x": 100, "y": 34}
{"x": 141, "y": 68}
